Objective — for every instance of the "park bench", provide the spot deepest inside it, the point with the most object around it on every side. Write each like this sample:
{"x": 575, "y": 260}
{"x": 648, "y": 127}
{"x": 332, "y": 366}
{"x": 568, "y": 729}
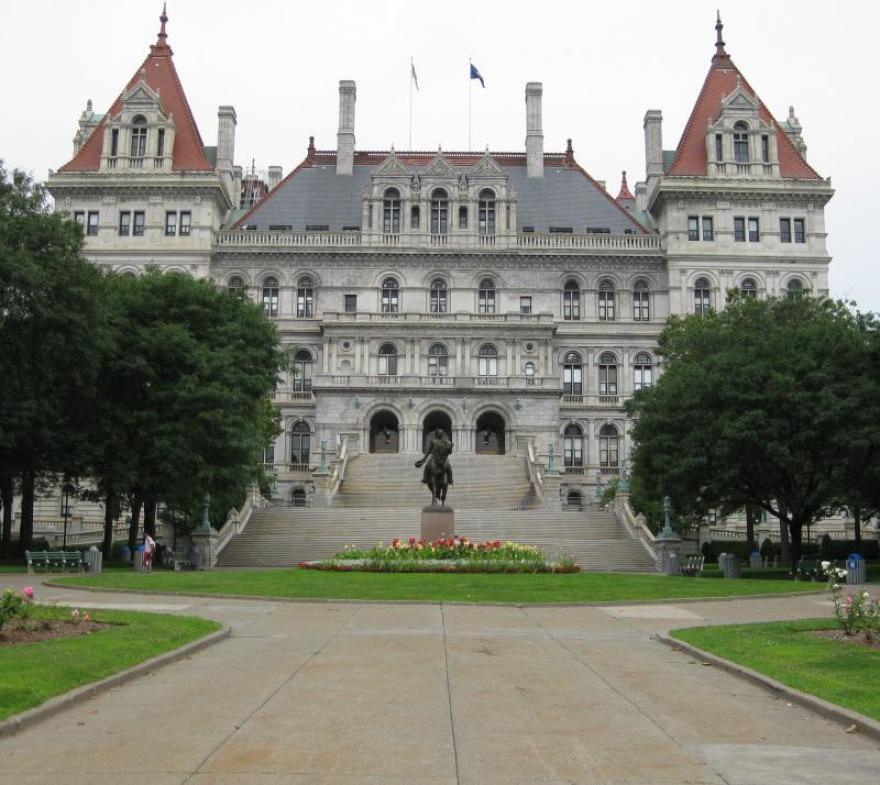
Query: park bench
{"x": 53, "y": 560}
{"x": 693, "y": 565}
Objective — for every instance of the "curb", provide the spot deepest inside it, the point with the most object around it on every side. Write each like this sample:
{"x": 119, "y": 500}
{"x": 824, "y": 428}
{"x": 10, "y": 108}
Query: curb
{"x": 346, "y": 600}
{"x": 829, "y": 711}
{"x": 73, "y": 697}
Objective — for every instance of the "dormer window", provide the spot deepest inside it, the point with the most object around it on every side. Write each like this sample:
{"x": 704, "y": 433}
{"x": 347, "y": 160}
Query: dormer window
{"x": 487, "y": 211}
{"x": 114, "y": 142}
{"x": 391, "y": 211}
{"x": 160, "y": 143}
{"x": 741, "y": 142}
{"x": 138, "y": 139}
{"x": 439, "y": 212}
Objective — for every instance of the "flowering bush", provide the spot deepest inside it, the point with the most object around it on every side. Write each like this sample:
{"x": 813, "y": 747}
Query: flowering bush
{"x": 15, "y": 606}
{"x": 855, "y": 613}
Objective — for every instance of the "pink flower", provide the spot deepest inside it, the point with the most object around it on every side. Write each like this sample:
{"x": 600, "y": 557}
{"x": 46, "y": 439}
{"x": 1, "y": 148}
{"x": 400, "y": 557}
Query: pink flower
{"x": 847, "y": 600}
{"x": 86, "y": 617}
{"x": 75, "y": 614}
{"x": 412, "y": 540}
{"x": 29, "y": 592}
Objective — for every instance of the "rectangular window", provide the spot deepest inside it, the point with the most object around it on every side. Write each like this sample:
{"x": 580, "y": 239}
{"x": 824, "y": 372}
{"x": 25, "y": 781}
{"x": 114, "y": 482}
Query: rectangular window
{"x": 92, "y": 228}
{"x": 80, "y": 217}
{"x": 185, "y": 223}
{"x": 160, "y": 143}
{"x": 124, "y": 223}
{"x": 708, "y": 228}
{"x": 800, "y": 235}
{"x": 765, "y": 149}
{"x": 415, "y": 217}
{"x": 693, "y": 227}
{"x": 754, "y": 230}
{"x": 170, "y": 224}
{"x": 138, "y": 226}
{"x": 525, "y": 304}
{"x": 462, "y": 217}
{"x": 719, "y": 149}
{"x": 114, "y": 143}
{"x": 269, "y": 454}
{"x": 739, "y": 230}
{"x": 351, "y": 303}
{"x": 785, "y": 230}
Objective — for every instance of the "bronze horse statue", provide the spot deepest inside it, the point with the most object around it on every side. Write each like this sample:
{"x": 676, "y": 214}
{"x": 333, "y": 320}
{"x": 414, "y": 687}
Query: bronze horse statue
{"x": 437, "y": 474}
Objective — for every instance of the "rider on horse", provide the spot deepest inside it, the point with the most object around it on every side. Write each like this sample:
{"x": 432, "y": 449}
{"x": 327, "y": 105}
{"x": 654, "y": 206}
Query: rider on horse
{"x": 437, "y": 447}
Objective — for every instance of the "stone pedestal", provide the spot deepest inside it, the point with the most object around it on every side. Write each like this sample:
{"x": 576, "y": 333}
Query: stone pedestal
{"x": 667, "y": 547}
{"x": 205, "y": 542}
{"x": 438, "y": 522}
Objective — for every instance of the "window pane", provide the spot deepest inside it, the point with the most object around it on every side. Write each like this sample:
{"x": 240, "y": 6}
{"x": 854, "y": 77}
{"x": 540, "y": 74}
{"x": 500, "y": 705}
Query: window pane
{"x": 800, "y": 235}
{"x": 708, "y": 228}
{"x": 693, "y": 228}
{"x": 739, "y": 230}
{"x": 754, "y": 233}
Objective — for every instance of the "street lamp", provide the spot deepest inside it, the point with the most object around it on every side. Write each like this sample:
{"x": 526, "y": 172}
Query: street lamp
{"x": 65, "y": 510}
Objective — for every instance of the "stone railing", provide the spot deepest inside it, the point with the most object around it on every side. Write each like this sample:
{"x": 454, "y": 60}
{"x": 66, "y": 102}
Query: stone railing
{"x": 338, "y": 467}
{"x": 580, "y": 401}
{"x": 83, "y": 531}
{"x": 528, "y": 241}
{"x": 536, "y": 470}
{"x": 413, "y": 381}
{"x": 417, "y": 316}
{"x": 237, "y": 520}
{"x": 636, "y": 527}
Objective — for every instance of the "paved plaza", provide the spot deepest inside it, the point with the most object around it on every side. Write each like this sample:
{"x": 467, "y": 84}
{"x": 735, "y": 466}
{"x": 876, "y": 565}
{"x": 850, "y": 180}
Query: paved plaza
{"x": 350, "y": 694}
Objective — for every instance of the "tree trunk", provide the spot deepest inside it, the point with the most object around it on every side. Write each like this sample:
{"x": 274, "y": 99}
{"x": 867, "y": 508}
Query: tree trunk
{"x": 150, "y": 517}
{"x": 135, "y": 524}
{"x": 6, "y": 492}
{"x": 26, "y": 531}
{"x": 857, "y": 524}
{"x": 784, "y": 546}
{"x": 796, "y": 529}
{"x": 109, "y": 505}
{"x": 750, "y": 527}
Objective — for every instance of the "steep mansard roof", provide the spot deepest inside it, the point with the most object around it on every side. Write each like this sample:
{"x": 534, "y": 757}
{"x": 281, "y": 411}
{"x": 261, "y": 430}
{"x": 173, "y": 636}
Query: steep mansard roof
{"x": 160, "y": 74}
{"x": 566, "y": 196}
{"x": 721, "y": 81}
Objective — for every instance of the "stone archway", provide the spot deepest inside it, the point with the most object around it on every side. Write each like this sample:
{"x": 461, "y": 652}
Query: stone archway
{"x": 490, "y": 434}
{"x": 384, "y": 432}
{"x": 436, "y": 419}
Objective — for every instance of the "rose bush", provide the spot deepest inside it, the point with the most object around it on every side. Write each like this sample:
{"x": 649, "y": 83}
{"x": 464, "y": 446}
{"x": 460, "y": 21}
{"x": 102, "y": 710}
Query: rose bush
{"x": 855, "y": 612}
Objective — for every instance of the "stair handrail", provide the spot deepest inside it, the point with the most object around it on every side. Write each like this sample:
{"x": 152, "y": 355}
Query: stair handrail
{"x": 237, "y": 520}
{"x": 535, "y": 467}
{"x": 337, "y": 473}
{"x": 636, "y": 526}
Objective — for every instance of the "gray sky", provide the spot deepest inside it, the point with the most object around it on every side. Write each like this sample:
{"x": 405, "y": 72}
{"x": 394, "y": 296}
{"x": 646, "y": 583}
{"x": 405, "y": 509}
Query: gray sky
{"x": 602, "y": 65}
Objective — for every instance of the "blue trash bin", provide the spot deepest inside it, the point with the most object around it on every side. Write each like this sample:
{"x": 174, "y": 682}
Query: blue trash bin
{"x": 856, "y": 569}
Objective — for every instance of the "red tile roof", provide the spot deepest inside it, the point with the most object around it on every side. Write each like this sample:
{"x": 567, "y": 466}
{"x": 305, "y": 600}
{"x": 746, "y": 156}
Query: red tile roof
{"x": 721, "y": 81}
{"x": 625, "y": 193}
{"x": 160, "y": 74}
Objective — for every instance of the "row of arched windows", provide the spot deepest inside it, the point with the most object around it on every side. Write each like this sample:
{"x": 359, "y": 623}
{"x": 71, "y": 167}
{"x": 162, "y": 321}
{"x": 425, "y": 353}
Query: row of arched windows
{"x": 747, "y": 288}
{"x": 573, "y": 446}
{"x": 573, "y": 373}
{"x": 641, "y": 304}
{"x": 439, "y": 205}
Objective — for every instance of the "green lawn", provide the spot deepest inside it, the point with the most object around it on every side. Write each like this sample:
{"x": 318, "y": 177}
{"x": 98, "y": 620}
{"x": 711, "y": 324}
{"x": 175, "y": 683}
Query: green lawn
{"x": 837, "y": 671}
{"x": 434, "y": 587}
{"x": 34, "y": 672}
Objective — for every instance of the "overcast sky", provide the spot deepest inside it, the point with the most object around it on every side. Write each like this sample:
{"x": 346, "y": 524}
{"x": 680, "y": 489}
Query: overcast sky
{"x": 602, "y": 65}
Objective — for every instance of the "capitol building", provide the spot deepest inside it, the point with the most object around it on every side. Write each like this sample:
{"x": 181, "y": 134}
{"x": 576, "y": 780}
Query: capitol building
{"x": 505, "y": 296}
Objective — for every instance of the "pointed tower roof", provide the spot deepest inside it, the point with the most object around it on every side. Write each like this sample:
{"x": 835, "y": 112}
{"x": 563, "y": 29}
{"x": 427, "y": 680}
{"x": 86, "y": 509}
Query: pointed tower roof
{"x": 721, "y": 81}
{"x": 624, "y": 193}
{"x": 159, "y": 73}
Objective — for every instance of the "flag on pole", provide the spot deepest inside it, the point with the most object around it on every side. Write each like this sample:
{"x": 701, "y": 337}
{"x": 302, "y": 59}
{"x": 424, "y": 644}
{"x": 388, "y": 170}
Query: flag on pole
{"x": 475, "y": 74}
{"x": 414, "y": 77}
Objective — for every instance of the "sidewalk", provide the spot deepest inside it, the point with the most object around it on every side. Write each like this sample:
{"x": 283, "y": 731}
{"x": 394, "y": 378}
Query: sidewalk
{"x": 405, "y": 694}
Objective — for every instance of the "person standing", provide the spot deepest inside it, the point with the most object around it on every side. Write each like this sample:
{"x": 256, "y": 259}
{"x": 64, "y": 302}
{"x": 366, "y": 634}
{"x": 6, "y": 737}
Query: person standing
{"x": 149, "y": 548}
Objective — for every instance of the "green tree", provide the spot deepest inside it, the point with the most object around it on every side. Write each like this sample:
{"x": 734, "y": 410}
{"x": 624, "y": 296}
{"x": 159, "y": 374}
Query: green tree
{"x": 759, "y": 405}
{"x": 51, "y": 325}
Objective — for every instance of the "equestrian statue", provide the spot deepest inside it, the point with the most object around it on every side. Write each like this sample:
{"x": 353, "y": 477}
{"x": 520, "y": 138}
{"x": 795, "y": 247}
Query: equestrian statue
{"x": 437, "y": 473}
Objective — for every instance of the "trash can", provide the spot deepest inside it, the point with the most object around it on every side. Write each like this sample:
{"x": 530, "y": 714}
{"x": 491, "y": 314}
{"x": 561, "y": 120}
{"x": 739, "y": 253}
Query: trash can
{"x": 94, "y": 560}
{"x": 856, "y": 571}
{"x": 124, "y": 553}
{"x": 139, "y": 559}
{"x": 755, "y": 560}
{"x": 673, "y": 565}
{"x": 729, "y": 565}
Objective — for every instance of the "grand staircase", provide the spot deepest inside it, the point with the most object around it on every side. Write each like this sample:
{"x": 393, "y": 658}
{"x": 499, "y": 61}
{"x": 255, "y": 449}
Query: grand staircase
{"x": 382, "y": 497}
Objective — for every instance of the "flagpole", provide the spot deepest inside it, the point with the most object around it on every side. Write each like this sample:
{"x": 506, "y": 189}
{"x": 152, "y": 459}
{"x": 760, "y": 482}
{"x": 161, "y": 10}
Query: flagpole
{"x": 470, "y": 88}
{"x": 411, "y": 67}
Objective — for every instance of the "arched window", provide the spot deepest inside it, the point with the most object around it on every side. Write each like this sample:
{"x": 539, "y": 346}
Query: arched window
{"x": 391, "y": 211}
{"x": 643, "y": 372}
{"x": 270, "y": 296}
{"x": 488, "y": 360}
{"x": 439, "y": 212}
{"x": 530, "y": 373}
{"x": 390, "y": 295}
{"x": 573, "y": 446}
{"x": 607, "y": 374}
{"x": 641, "y": 302}
{"x": 302, "y": 371}
{"x": 300, "y": 444}
{"x": 608, "y": 446}
{"x": 305, "y": 298}
{"x": 236, "y": 286}
{"x": 387, "y": 360}
{"x": 487, "y": 211}
{"x": 438, "y": 296}
{"x": 795, "y": 288}
{"x": 702, "y": 295}
{"x": 438, "y": 360}
{"x": 571, "y": 301}
{"x": 487, "y": 296}
{"x": 572, "y": 374}
{"x": 138, "y": 139}
{"x": 748, "y": 288}
{"x": 606, "y": 301}
{"x": 741, "y": 142}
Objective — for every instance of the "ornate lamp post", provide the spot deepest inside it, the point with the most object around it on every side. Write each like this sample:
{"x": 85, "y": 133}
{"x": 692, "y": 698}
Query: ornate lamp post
{"x": 667, "y": 531}
{"x": 205, "y": 525}
{"x": 65, "y": 511}
{"x": 551, "y": 459}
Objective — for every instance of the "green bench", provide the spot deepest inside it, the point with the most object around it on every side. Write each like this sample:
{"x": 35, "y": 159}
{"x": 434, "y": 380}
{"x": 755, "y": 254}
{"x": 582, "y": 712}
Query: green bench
{"x": 693, "y": 566}
{"x": 54, "y": 560}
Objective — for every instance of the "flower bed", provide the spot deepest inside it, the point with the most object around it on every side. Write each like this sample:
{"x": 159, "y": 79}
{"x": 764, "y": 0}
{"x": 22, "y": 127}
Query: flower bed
{"x": 453, "y": 554}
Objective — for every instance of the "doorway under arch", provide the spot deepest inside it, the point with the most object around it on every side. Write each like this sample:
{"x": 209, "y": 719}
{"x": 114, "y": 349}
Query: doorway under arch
{"x": 436, "y": 419}
{"x": 490, "y": 434}
{"x": 384, "y": 432}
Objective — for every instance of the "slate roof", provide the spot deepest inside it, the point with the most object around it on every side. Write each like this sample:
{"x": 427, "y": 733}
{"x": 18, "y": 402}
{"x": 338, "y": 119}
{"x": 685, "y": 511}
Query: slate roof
{"x": 566, "y": 196}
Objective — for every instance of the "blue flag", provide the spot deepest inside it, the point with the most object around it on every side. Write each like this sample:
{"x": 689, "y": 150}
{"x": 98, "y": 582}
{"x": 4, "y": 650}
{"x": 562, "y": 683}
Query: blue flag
{"x": 475, "y": 74}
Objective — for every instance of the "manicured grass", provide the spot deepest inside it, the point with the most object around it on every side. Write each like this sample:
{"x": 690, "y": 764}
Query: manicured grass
{"x": 837, "y": 671}
{"x": 31, "y": 673}
{"x": 516, "y": 588}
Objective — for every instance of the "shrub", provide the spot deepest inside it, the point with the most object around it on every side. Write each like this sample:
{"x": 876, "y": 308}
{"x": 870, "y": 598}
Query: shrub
{"x": 768, "y": 549}
{"x": 15, "y": 606}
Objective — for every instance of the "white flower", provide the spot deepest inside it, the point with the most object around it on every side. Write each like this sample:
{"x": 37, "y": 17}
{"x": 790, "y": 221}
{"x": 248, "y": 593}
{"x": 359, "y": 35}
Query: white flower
{"x": 866, "y": 596}
{"x": 826, "y": 565}
{"x": 836, "y": 586}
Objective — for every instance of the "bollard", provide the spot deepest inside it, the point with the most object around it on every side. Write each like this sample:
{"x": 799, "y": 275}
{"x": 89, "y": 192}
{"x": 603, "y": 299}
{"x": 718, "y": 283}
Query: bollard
{"x": 94, "y": 560}
{"x": 672, "y": 566}
{"x": 856, "y": 569}
{"x": 755, "y": 560}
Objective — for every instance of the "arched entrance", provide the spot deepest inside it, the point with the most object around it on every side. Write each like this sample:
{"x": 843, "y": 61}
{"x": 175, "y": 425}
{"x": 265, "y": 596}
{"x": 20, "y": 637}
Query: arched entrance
{"x": 574, "y": 500}
{"x": 436, "y": 419}
{"x": 490, "y": 434}
{"x": 384, "y": 432}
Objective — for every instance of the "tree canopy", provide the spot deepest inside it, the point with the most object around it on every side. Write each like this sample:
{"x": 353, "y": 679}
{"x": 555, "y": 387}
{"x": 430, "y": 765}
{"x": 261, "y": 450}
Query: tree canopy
{"x": 768, "y": 403}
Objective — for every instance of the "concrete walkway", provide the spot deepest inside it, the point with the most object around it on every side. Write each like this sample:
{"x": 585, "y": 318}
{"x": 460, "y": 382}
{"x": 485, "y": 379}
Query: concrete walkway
{"x": 350, "y": 694}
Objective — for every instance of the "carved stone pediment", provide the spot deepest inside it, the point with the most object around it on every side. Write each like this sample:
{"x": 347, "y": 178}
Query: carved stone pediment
{"x": 392, "y": 167}
{"x": 439, "y": 167}
{"x": 487, "y": 167}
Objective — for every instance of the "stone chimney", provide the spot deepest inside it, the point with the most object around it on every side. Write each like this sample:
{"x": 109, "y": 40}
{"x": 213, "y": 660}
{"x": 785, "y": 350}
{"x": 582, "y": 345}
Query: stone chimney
{"x": 534, "y": 131}
{"x": 237, "y": 177}
{"x": 226, "y": 122}
{"x": 653, "y": 144}
{"x": 345, "y": 136}
{"x": 641, "y": 189}
{"x": 275, "y": 175}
